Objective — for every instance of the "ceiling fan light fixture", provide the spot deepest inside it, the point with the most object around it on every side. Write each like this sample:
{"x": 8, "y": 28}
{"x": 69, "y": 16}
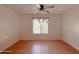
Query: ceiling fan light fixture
{"x": 41, "y": 7}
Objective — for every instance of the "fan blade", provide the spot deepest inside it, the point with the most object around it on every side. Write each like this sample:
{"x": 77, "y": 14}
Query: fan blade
{"x": 46, "y": 11}
{"x": 38, "y": 5}
{"x": 49, "y": 7}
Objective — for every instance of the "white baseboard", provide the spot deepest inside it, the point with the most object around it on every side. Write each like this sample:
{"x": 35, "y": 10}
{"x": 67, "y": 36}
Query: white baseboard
{"x": 40, "y": 39}
{"x": 71, "y": 44}
{"x": 10, "y": 45}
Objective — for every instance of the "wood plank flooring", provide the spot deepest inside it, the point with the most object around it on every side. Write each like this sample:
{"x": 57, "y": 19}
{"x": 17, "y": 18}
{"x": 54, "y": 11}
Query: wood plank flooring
{"x": 40, "y": 47}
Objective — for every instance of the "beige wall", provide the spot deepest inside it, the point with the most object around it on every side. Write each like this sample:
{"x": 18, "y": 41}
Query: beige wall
{"x": 54, "y": 23}
{"x": 8, "y": 27}
{"x": 71, "y": 27}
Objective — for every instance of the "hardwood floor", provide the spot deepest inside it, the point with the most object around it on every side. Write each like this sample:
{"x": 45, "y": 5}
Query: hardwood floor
{"x": 40, "y": 47}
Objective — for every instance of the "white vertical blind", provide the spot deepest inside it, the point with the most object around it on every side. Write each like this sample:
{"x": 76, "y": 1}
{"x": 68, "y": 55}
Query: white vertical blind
{"x": 36, "y": 26}
{"x": 40, "y": 26}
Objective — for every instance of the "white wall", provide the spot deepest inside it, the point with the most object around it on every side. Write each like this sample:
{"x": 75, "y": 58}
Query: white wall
{"x": 54, "y": 23}
{"x": 71, "y": 27}
{"x": 9, "y": 27}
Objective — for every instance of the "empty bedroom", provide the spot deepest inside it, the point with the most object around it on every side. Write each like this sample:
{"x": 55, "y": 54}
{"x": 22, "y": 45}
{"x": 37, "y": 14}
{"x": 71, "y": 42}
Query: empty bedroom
{"x": 39, "y": 29}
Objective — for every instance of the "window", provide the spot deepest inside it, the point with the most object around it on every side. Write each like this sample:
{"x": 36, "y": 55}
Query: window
{"x": 40, "y": 26}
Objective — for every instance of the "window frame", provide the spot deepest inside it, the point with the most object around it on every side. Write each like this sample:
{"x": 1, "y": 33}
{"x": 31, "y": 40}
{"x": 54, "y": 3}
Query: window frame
{"x": 44, "y": 19}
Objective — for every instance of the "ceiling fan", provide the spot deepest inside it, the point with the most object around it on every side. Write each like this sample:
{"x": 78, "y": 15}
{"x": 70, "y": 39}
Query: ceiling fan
{"x": 41, "y": 7}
